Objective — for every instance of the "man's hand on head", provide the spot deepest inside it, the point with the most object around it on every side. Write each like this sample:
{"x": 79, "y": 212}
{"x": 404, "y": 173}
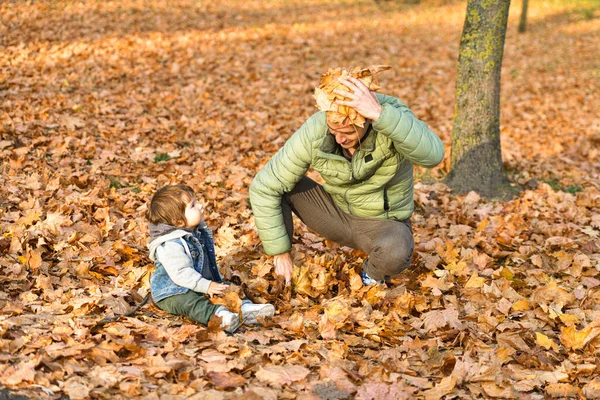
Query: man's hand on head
{"x": 361, "y": 98}
{"x": 284, "y": 266}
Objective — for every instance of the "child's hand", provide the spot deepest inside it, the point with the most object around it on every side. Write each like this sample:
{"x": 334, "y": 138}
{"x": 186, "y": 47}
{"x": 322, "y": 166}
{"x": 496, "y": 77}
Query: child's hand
{"x": 216, "y": 288}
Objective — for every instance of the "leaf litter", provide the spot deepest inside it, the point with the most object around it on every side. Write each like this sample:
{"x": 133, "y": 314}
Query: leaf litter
{"x": 104, "y": 102}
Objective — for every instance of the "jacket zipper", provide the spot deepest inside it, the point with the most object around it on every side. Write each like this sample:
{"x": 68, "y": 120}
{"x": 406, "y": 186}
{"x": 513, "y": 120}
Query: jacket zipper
{"x": 212, "y": 262}
{"x": 351, "y": 179}
{"x": 209, "y": 256}
{"x": 386, "y": 203}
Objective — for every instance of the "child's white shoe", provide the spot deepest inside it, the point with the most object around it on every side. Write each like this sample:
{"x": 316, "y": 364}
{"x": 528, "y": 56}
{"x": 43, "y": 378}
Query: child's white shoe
{"x": 251, "y": 312}
{"x": 229, "y": 321}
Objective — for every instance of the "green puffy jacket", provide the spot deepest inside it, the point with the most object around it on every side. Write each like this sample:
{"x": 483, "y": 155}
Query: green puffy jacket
{"x": 376, "y": 183}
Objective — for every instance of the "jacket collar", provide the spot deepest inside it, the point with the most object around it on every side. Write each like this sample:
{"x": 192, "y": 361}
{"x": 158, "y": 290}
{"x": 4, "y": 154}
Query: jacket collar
{"x": 367, "y": 144}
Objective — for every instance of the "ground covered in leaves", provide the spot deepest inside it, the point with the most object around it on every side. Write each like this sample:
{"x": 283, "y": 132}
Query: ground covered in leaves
{"x": 103, "y": 102}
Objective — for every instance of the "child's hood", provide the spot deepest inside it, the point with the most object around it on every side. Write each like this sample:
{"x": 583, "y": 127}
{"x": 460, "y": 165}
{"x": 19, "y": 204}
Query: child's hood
{"x": 161, "y": 233}
{"x": 153, "y": 245}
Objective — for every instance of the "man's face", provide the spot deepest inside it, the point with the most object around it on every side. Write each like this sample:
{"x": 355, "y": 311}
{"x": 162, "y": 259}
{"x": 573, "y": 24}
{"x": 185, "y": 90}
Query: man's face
{"x": 347, "y": 135}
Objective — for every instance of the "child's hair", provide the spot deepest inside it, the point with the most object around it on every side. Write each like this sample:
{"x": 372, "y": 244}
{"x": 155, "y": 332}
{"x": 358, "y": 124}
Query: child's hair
{"x": 168, "y": 205}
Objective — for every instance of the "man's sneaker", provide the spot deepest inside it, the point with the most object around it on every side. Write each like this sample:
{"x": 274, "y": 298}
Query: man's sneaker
{"x": 229, "y": 321}
{"x": 367, "y": 280}
{"x": 251, "y": 312}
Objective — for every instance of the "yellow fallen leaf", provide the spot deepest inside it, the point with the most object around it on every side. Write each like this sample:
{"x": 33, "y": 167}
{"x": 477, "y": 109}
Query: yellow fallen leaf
{"x": 475, "y": 281}
{"x": 574, "y": 339}
{"x": 445, "y": 386}
{"x": 457, "y": 268}
{"x": 30, "y": 217}
{"x": 507, "y": 274}
{"x": 338, "y": 312}
{"x": 321, "y": 282}
{"x": 551, "y": 293}
{"x": 569, "y": 319}
{"x": 555, "y": 310}
{"x": 404, "y": 304}
{"x": 521, "y": 305}
{"x": 302, "y": 281}
{"x": 355, "y": 281}
{"x": 482, "y": 225}
{"x": 544, "y": 341}
{"x": 375, "y": 294}
{"x": 493, "y": 390}
{"x": 504, "y": 354}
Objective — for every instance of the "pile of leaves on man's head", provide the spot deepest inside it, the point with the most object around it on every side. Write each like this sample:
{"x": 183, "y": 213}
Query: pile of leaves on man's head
{"x": 326, "y": 97}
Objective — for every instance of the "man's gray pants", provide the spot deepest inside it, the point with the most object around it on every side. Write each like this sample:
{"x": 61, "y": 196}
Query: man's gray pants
{"x": 388, "y": 242}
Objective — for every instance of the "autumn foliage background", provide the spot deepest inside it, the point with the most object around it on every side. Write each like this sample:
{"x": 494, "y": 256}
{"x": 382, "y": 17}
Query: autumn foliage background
{"x": 102, "y": 102}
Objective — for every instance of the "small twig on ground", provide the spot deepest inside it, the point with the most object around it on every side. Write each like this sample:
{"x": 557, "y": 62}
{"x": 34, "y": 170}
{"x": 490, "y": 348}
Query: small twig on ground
{"x": 108, "y": 320}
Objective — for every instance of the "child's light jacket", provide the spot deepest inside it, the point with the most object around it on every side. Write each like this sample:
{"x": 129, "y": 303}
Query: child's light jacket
{"x": 184, "y": 261}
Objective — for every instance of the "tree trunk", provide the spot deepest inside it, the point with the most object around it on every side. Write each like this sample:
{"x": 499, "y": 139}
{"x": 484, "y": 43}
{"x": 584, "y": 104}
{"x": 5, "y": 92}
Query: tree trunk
{"x": 523, "y": 20}
{"x": 476, "y": 159}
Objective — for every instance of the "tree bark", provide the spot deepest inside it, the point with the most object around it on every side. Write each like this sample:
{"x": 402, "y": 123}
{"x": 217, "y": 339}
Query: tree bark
{"x": 523, "y": 20}
{"x": 476, "y": 158}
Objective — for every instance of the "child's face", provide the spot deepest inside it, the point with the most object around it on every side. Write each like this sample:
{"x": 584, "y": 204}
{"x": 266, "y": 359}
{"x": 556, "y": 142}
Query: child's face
{"x": 194, "y": 214}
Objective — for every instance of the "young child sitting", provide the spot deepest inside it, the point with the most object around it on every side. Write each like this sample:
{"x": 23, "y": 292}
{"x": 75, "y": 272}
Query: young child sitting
{"x": 182, "y": 249}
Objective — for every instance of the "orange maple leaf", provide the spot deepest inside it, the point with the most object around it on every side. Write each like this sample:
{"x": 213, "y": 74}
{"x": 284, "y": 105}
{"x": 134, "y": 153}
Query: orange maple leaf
{"x": 231, "y": 299}
{"x": 326, "y": 98}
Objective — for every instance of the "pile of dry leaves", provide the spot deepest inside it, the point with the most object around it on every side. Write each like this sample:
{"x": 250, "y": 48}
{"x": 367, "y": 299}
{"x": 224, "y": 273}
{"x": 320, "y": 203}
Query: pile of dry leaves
{"x": 101, "y": 103}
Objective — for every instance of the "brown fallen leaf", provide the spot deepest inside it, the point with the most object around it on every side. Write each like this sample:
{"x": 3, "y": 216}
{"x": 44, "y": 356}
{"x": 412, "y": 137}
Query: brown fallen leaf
{"x": 563, "y": 390}
{"x": 327, "y": 329}
{"x": 226, "y": 380}
{"x": 294, "y": 323}
{"x": 436, "y": 319}
{"x": 278, "y": 375}
{"x": 376, "y": 391}
{"x": 498, "y": 391}
{"x": 592, "y": 389}
{"x": 302, "y": 281}
{"x": 443, "y": 388}
{"x": 23, "y": 371}
{"x": 77, "y": 387}
{"x": 35, "y": 259}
